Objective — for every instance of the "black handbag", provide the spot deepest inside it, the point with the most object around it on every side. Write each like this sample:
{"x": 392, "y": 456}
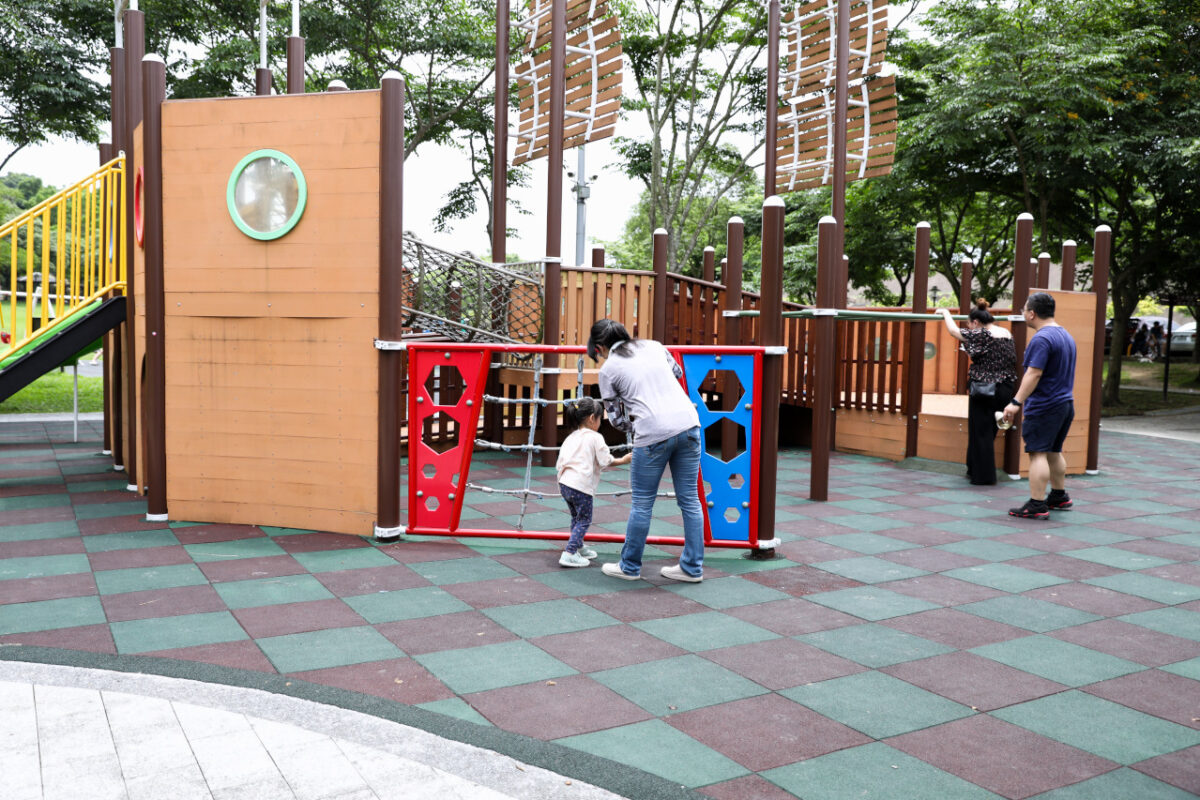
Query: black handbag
{"x": 980, "y": 389}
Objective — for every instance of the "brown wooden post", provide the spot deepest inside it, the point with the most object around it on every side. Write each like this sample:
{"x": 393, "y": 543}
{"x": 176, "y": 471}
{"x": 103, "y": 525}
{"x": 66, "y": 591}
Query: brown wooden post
{"x": 107, "y": 153}
{"x": 1020, "y": 293}
{"x": 822, "y": 348}
{"x": 661, "y": 289}
{"x": 772, "y": 121}
{"x": 965, "y": 304}
{"x": 295, "y": 65}
{"x": 336, "y": 85}
{"x": 114, "y": 343}
{"x": 731, "y": 276}
{"x": 1043, "y": 271}
{"x": 154, "y": 92}
{"x": 709, "y": 272}
{"x": 135, "y": 48}
{"x": 552, "y": 334}
{"x": 500, "y": 138}
{"x": 914, "y": 384}
{"x": 770, "y": 326}
{"x": 1066, "y": 281}
{"x": 262, "y": 81}
{"x": 391, "y": 292}
{"x": 1102, "y": 250}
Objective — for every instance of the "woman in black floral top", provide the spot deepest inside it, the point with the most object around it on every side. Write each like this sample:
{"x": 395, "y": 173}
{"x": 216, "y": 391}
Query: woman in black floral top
{"x": 993, "y": 363}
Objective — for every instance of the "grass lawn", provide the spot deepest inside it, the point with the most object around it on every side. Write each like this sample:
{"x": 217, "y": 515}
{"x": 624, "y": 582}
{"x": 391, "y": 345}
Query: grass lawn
{"x": 1137, "y": 375}
{"x": 51, "y": 393}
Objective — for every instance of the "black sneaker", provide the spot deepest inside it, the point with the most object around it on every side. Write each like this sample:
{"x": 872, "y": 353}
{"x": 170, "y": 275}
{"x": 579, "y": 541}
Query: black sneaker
{"x": 1033, "y": 509}
{"x": 1058, "y": 500}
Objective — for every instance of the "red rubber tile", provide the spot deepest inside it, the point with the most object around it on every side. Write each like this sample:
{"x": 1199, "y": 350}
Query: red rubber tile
{"x": 956, "y": 629}
{"x": 565, "y": 706}
{"x": 26, "y": 490}
{"x": 205, "y": 534}
{"x": 766, "y": 731}
{"x": 974, "y": 681}
{"x": 639, "y": 605}
{"x": 783, "y": 663}
{"x": 915, "y": 516}
{"x": 1076, "y": 569}
{"x": 1037, "y": 540}
{"x": 1155, "y": 547}
{"x": 447, "y": 632}
{"x": 161, "y": 603}
{"x": 41, "y": 547}
{"x": 280, "y": 620}
{"x": 89, "y": 638}
{"x": 318, "y": 542}
{"x": 751, "y": 787}
{"x": 606, "y": 648}
{"x": 918, "y": 534}
{"x": 1162, "y": 694}
{"x": 1001, "y": 757}
{"x": 811, "y": 551}
{"x": 244, "y": 654}
{"x": 32, "y": 516}
{"x": 943, "y": 590}
{"x": 351, "y": 582}
{"x": 503, "y": 592}
{"x": 401, "y": 679}
{"x": 429, "y": 548}
{"x": 139, "y": 557}
{"x": 1093, "y": 599}
{"x": 53, "y": 587}
{"x": 930, "y": 559}
{"x": 799, "y": 581}
{"x": 94, "y": 498}
{"x": 1131, "y": 642}
{"x": 1181, "y": 768}
{"x": 793, "y": 617}
{"x": 242, "y": 569}
{"x": 1183, "y": 573}
{"x": 129, "y": 522}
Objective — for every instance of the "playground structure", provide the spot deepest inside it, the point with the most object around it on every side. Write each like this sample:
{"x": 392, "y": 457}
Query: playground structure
{"x": 272, "y": 367}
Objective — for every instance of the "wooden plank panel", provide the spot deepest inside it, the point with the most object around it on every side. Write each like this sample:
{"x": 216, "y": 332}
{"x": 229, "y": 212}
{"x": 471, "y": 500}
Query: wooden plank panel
{"x": 354, "y": 523}
{"x": 870, "y": 433}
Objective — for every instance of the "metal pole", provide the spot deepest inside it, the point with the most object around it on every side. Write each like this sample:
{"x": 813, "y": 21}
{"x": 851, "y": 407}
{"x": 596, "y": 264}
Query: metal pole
{"x": 964, "y": 307}
{"x": 1020, "y": 293}
{"x": 1102, "y": 250}
{"x": 154, "y": 401}
{"x": 1167, "y": 346}
{"x": 914, "y": 385}
{"x": 262, "y": 76}
{"x": 1067, "y": 281}
{"x": 75, "y": 400}
{"x": 659, "y": 259}
{"x": 500, "y": 135}
{"x": 772, "y": 123}
{"x": 822, "y": 349}
{"x": 582, "y": 192}
{"x": 552, "y": 334}
{"x": 771, "y": 335}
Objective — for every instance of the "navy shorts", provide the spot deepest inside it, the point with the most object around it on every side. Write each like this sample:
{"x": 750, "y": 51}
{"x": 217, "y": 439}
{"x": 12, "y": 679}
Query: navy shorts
{"x": 1046, "y": 431}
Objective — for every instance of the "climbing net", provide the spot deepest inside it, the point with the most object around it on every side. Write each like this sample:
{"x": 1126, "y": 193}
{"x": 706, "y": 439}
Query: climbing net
{"x": 439, "y": 478}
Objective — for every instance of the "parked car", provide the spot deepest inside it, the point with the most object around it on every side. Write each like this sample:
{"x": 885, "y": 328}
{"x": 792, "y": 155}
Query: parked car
{"x": 1134, "y": 324}
{"x": 1183, "y": 340}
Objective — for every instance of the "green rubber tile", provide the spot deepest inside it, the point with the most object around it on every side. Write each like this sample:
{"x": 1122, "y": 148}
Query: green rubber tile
{"x": 877, "y": 704}
{"x": 657, "y": 748}
{"x": 677, "y": 684}
{"x": 872, "y": 772}
{"x": 1175, "y": 621}
{"x": 238, "y": 548}
{"x": 493, "y": 666}
{"x": 352, "y": 558}
{"x": 131, "y": 540}
{"x": 43, "y": 566}
{"x": 871, "y": 602}
{"x": 869, "y": 569}
{"x": 728, "y": 592}
{"x": 186, "y": 524}
{"x": 425, "y": 601}
{"x": 462, "y": 570}
{"x": 1188, "y": 669}
{"x": 1108, "y": 729}
{"x": 962, "y": 510}
{"x": 865, "y": 543}
{"x": 39, "y": 530}
{"x": 869, "y": 492}
{"x": 1058, "y": 661}
{"x": 1188, "y": 539}
{"x": 704, "y": 631}
{"x": 874, "y": 645}
{"x": 337, "y": 647}
{"x": 541, "y": 520}
{"x": 549, "y": 617}
{"x": 1005, "y": 577}
{"x": 976, "y": 529}
{"x": 46, "y": 615}
{"x": 866, "y": 522}
{"x": 1097, "y": 536}
{"x": 457, "y": 708}
{"x": 1025, "y": 612}
{"x": 1156, "y": 507}
{"x": 97, "y": 486}
{"x": 1120, "y": 783}
{"x": 739, "y": 564}
{"x": 1118, "y": 558}
{"x": 45, "y": 480}
{"x": 1160, "y": 590}
{"x": 1077, "y": 517}
{"x": 271, "y": 591}
{"x": 98, "y": 510}
{"x": 988, "y": 550}
{"x": 953, "y": 496}
{"x": 866, "y": 505}
{"x": 119, "y": 581}
{"x": 1170, "y": 521}
{"x": 271, "y": 530}
{"x": 584, "y": 582}
{"x": 169, "y": 633}
{"x": 26, "y": 502}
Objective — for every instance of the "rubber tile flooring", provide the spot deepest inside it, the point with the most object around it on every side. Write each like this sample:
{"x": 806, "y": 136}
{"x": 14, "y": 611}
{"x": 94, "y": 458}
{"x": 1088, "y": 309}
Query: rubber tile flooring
{"x": 910, "y": 640}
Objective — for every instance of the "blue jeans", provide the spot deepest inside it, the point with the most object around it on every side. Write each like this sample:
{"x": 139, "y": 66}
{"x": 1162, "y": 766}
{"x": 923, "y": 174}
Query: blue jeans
{"x": 580, "y": 505}
{"x": 682, "y": 453}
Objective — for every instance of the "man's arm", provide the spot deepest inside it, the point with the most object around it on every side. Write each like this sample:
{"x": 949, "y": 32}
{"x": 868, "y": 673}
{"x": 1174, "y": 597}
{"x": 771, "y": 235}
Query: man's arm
{"x": 1029, "y": 382}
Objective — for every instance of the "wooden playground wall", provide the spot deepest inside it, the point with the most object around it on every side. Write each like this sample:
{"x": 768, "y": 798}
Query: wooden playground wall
{"x": 272, "y": 377}
{"x": 136, "y": 265}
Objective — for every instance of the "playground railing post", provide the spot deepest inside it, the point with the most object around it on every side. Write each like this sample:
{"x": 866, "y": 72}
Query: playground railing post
{"x": 731, "y": 276}
{"x": 154, "y": 400}
{"x": 114, "y": 342}
{"x": 914, "y": 367}
{"x": 661, "y": 286}
{"x": 1066, "y": 281}
{"x": 1043, "y": 271}
{"x": 1020, "y": 293}
{"x": 771, "y": 336}
{"x": 965, "y": 303}
{"x": 135, "y": 47}
{"x": 824, "y": 336}
{"x": 1102, "y": 249}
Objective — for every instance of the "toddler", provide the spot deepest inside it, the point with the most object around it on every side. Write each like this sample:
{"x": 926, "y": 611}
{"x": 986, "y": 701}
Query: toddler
{"x": 582, "y": 456}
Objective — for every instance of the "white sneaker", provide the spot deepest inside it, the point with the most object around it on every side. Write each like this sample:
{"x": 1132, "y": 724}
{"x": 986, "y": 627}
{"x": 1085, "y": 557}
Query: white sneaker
{"x": 615, "y": 571}
{"x": 587, "y": 552}
{"x": 573, "y": 560}
{"x": 676, "y": 573}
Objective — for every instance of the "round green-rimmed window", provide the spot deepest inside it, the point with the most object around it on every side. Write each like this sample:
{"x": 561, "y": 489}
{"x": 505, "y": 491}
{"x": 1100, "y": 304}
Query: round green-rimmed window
{"x": 266, "y": 194}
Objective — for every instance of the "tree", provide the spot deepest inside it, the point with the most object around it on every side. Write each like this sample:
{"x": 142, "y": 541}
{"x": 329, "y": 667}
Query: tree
{"x": 47, "y": 51}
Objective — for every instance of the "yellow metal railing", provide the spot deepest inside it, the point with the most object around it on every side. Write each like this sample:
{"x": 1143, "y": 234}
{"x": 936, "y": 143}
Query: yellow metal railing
{"x": 63, "y": 254}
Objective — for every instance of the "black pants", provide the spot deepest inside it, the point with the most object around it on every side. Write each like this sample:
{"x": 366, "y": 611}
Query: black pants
{"x": 981, "y": 434}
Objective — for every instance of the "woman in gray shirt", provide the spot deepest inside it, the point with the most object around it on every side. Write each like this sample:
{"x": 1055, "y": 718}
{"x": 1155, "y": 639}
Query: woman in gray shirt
{"x": 639, "y": 384}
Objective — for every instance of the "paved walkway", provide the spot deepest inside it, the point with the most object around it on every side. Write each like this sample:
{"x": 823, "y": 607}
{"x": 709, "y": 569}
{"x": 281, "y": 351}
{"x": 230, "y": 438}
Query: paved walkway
{"x": 910, "y": 641}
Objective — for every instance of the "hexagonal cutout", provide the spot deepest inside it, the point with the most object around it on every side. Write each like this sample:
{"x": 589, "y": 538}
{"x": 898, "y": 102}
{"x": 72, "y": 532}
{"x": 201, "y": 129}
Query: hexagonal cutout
{"x": 732, "y": 515}
{"x": 721, "y": 390}
{"x": 736, "y": 481}
{"x": 429, "y": 470}
{"x": 431, "y": 503}
{"x": 440, "y": 432}
{"x": 445, "y": 384}
{"x": 714, "y": 438}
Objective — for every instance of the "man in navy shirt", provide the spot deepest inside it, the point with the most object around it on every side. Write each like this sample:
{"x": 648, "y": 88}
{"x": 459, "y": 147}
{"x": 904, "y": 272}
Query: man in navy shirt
{"x": 1046, "y": 400}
